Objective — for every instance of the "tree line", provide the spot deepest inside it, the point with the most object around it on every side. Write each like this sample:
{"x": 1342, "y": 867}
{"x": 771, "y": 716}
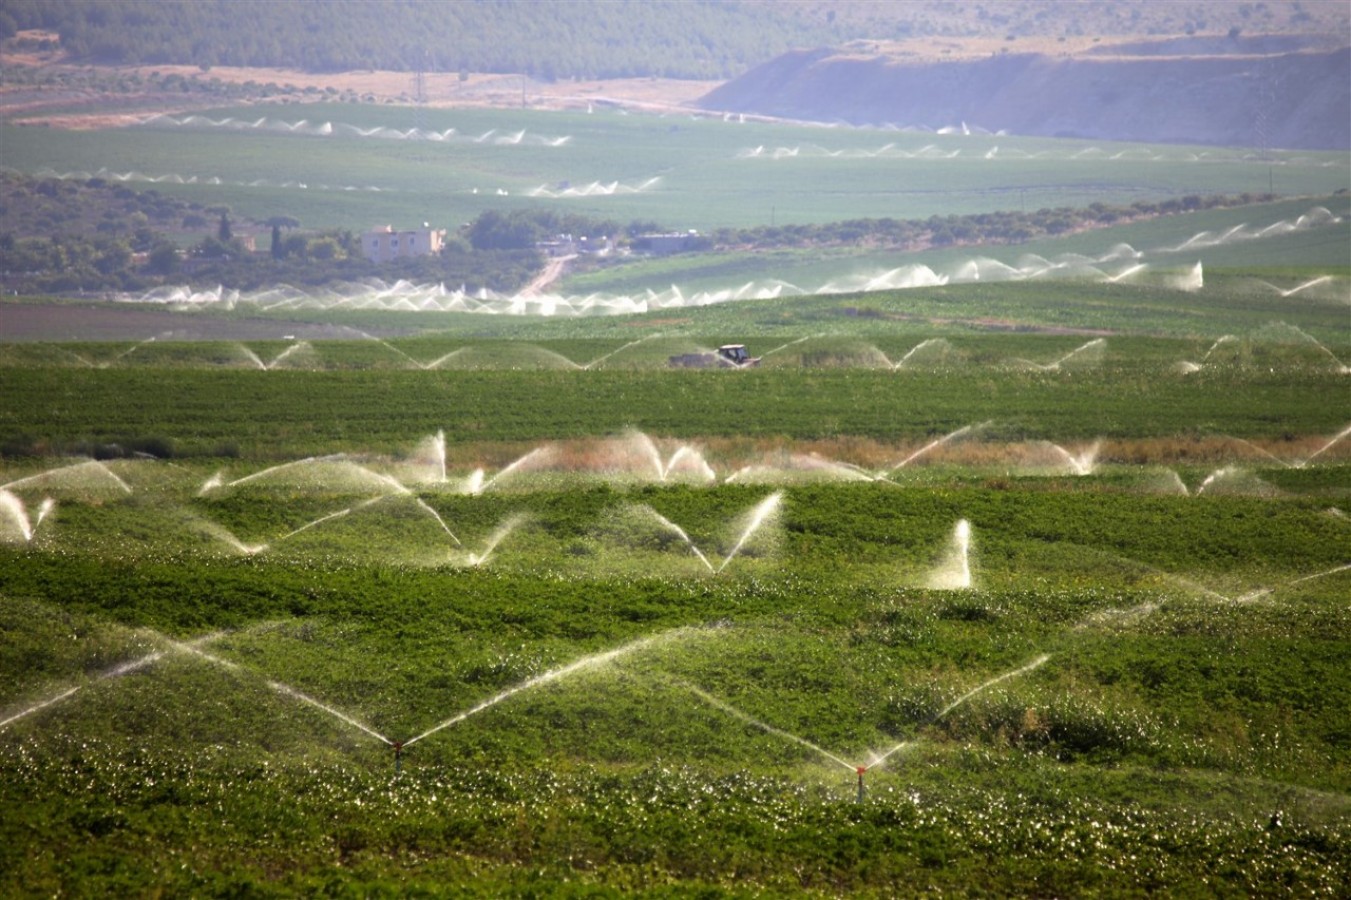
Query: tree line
{"x": 1000, "y": 227}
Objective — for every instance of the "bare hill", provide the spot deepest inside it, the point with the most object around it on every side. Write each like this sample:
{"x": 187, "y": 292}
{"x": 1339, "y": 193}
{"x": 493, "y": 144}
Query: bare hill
{"x": 1255, "y": 94}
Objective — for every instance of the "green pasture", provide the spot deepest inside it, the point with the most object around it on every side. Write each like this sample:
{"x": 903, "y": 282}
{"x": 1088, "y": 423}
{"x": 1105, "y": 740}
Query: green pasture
{"x": 709, "y": 175}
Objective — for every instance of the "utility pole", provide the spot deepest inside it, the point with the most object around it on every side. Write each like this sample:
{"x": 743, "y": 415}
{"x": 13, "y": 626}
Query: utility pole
{"x": 420, "y": 91}
{"x": 1266, "y": 105}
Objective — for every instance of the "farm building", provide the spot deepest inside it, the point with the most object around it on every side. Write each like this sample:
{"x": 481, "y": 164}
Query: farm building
{"x": 385, "y": 243}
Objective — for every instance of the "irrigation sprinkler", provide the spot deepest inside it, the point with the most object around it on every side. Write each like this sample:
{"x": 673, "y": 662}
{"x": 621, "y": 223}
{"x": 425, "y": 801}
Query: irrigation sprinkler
{"x": 398, "y": 756}
{"x": 861, "y": 771}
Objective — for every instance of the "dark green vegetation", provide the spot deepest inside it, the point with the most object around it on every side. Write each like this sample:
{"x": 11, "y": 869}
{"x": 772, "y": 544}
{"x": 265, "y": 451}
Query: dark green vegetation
{"x": 1002, "y": 227}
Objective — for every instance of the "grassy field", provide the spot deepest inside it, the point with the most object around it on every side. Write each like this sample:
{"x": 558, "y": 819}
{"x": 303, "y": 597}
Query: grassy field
{"x": 313, "y": 163}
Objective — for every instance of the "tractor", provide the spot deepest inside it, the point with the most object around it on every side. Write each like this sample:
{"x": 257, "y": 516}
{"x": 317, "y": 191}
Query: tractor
{"x": 728, "y": 356}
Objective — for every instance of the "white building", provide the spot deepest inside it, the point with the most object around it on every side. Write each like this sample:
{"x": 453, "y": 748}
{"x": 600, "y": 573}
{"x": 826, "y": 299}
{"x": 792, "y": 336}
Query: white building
{"x": 384, "y": 244}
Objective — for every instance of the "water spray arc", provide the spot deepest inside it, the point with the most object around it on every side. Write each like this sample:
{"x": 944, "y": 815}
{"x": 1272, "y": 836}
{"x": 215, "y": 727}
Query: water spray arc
{"x": 12, "y": 508}
{"x": 116, "y": 671}
{"x": 935, "y": 444}
{"x": 940, "y": 343}
{"x": 1093, "y": 348}
{"x": 510, "y": 524}
{"x": 603, "y": 357}
{"x": 954, "y": 573}
{"x": 297, "y": 347}
{"x": 878, "y": 759}
{"x": 680, "y": 533}
{"x": 974, "y": 692}
{"x": 684, "y": 456}
{"x": 127, "y": 352}
{"x": 758, "y": 516}
{"x": 763, "y": 726}
{"x": 71, "y": 472}
{"x": 295, "y": 694}
{"x": 1084, "y": 462}
{"x": 476, "y": 484}
{"x": 1341, "y": 435}
{"x": 586, "y": 662}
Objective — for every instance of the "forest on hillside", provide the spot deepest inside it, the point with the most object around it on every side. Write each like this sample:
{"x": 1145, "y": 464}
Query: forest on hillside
{"x": 708, "y": 39}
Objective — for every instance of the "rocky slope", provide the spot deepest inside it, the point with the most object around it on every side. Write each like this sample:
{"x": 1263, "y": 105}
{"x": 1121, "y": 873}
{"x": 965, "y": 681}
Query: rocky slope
{"x": 1236, "y": 93}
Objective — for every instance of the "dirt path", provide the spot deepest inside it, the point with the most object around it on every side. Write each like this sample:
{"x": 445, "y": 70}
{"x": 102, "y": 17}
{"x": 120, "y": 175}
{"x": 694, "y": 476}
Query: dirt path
{"x": 551, "y": 272}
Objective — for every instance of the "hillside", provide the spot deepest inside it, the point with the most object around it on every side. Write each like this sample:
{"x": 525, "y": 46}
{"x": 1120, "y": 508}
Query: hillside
{"x": 1254, "y": 93}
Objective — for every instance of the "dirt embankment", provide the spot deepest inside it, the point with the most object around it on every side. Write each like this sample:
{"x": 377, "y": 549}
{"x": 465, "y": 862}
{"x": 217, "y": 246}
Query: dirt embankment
{"x": 1248, "y": 97}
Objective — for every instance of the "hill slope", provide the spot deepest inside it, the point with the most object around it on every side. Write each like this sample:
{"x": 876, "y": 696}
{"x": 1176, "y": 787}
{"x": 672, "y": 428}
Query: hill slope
{"x": 1241, "y": 98}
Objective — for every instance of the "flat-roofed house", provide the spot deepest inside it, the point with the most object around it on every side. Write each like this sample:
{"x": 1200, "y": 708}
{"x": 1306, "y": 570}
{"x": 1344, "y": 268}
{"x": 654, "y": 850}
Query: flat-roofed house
{"x": 384, "y": 244}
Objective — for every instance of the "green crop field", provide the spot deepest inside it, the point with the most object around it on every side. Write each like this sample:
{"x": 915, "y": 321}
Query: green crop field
{"x": 306, "y": 679}
{"x": 995, "y": 584}
{"x": 357, "y": 166}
